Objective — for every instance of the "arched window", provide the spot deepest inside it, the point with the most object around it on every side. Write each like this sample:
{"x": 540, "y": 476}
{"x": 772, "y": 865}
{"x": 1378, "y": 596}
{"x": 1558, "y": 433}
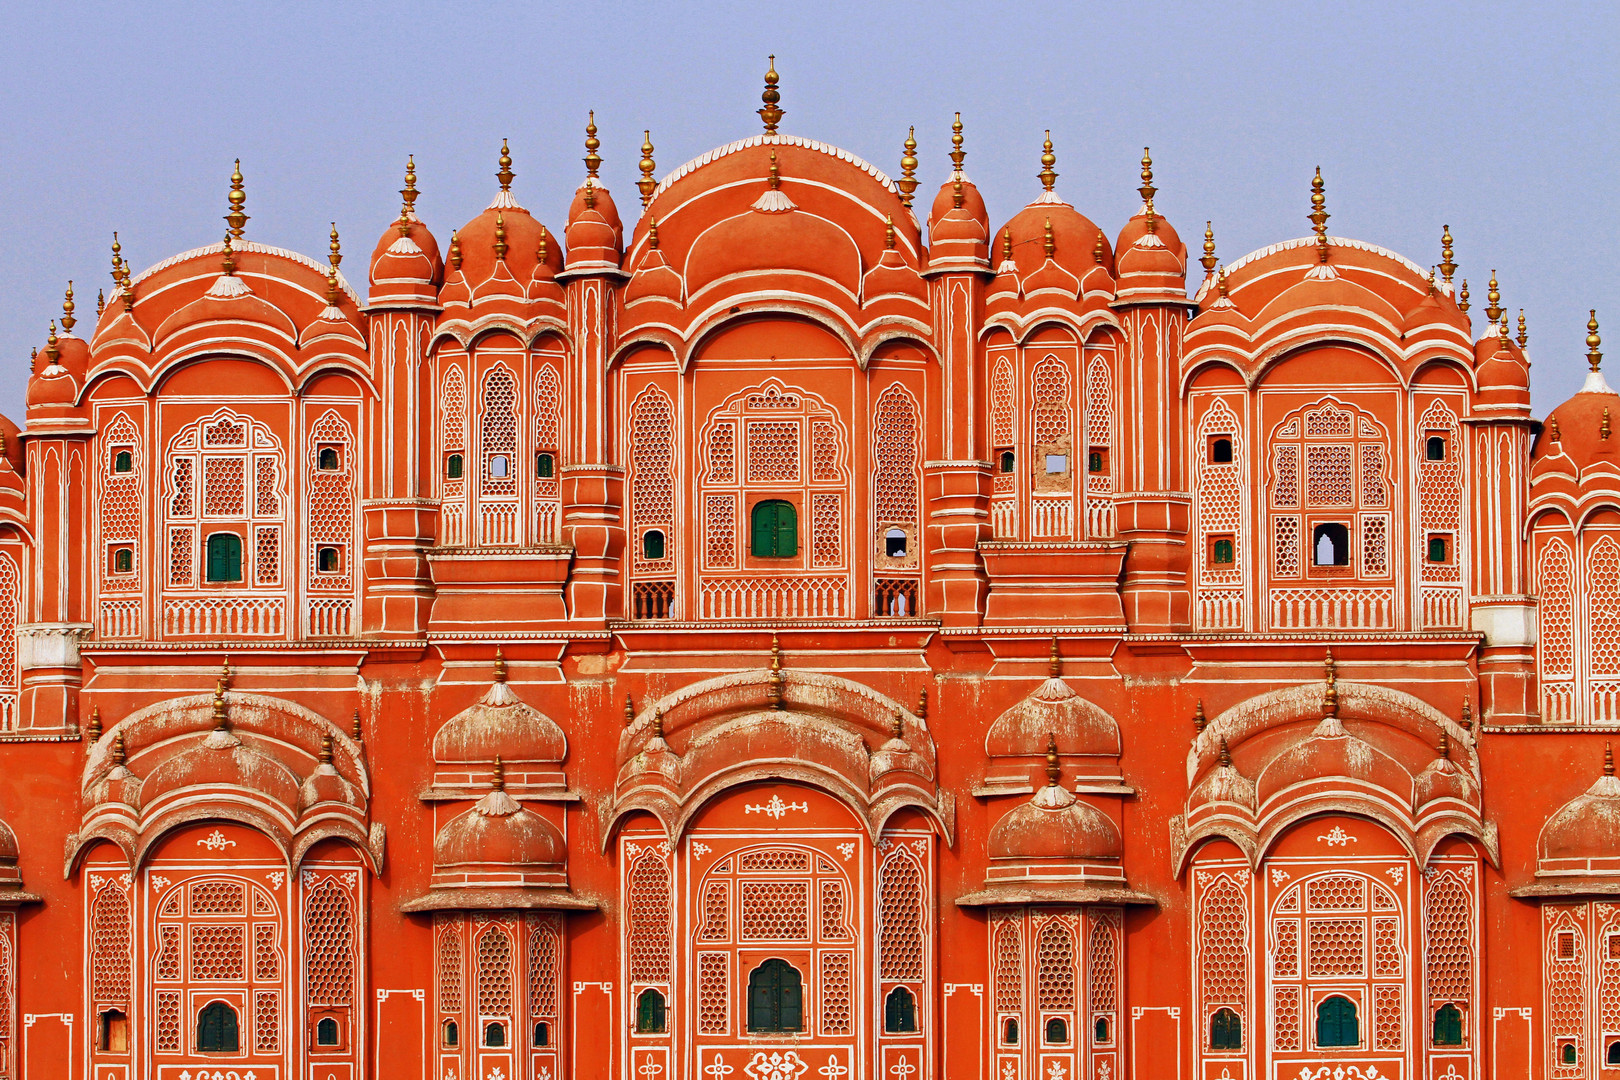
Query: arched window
{"x": 1336, "y": 1023}
{"x": 224, "y": 557}
{"x": 1006, "y": 461}
{"x": 894, "y": 543}
{"x": 545, "y": 466}
{"x": 1057, "y": 1031}
{"x": 495, "y": 1034}
{"x": 542, "y": 1033}
{"x": 112, "y": 1033}
{"x": 650, "y": 1013}
{"x": 652, "y": 544}
{"x": 1099, "y": 1031}
{"x": 1612, "y": 1057}
{"x": 498, "y": 466}
{"x": 123, "y": 560}
{"x": 123, "y": 461}
{"x": 899, "y": 1011}
{"x": 451, "y": 1033}
{"x": 1330, "y": 544}
{"x": 1221, "y": 552}
{"x": 1220, "y": 452}
{"x": 453, "y": 466}
{"x": 326, "y": 560}
{"x": 1439, "y": 550}
{"x": 775, "y": 998}
{"x": 1434, "y": 448}
{"x": 1009, "y": 1031}
{"x": 328, "y": 460}
{"x": 1567, "y": 1054}
{"x": 326, "y": 1032}
{"x": 775, "y": 530}
{"x": 1448, "y": 1029}
{"x": 1225, "y": 1030}
{"x": 216, "y": 1029}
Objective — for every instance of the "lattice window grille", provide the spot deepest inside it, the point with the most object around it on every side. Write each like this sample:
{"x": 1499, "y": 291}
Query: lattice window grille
{"x": 1223, "y": 943}
{"x": 548, "y": 440}
{"x": 826, "y": 529}
{"x": 1009, "y": 966}
{"x": 1603, "y": 607}
{"x": 649, "y": 918}
{"x": 1219, "y": 503}
{"x": 493, "y": 969}
{"x": 1439, "y": 489}
{"x": 898, "y": 457}
{"x": 714, "y": 993}
{"x": 900, "y": 917}
{"x": 1052, "y": 401}
{"x": 498, "y": 435}
{"x": 224, "y": 450}
{"x": 330, "y": 507}
{"x": 1055, "y": 966}
{"x": 837, "y": 993}
{"x": 450, "y": 965}
{"x": 1567, "y": 976}
{"x": 110, "y": 945}
{"x": 329, "y": 943}
{"x": 652, "y": 477}
{"x": 1448, "y": 940}
{"x": 118, "y": 505}
{"x": 10, "y": 616}
{"x": 1102, "y": 963}
{"x": 545, "y": 960}
{"x": 1099, "y": 421}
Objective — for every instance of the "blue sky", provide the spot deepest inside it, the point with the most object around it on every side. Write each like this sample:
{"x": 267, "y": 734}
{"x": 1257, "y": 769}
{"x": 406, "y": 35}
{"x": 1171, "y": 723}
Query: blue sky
{"x": 1500, "y": 120}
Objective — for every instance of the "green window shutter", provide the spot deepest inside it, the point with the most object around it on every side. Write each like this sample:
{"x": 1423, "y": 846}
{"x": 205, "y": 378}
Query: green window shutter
{"x": 787, "y": 531}
{"x": 762, "y": 532}
{"x": 224, "y": 557}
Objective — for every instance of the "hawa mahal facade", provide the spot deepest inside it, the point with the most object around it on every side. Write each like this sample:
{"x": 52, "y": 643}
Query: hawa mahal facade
{"x": 805, "y": 634}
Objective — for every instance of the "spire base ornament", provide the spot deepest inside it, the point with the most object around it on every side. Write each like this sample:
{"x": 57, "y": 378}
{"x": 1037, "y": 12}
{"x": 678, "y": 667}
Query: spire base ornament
{"x": 771, "y": 112}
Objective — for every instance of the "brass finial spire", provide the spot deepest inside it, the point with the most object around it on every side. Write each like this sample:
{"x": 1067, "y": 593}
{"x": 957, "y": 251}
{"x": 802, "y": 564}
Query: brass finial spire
{"x": 1209, "y": 259}
{"x": 118, "y": 751}
{"x": 1048, "y": 244}
{"x": 1147, "y": 190}
{"x": 629, "y": 710}
{"x": 774, "y": 690}
{"x": 646, "y": 185}
{"x": 101, "y": 303}
{"x": 67, "y": 310}
{"x": 52, "y": 350}
{"x": 33, "y": 360}
{"x": 897, "y": 725}
{"x": 652, "y": 233}
{"x": 117, "y": 261}
{"x": 1330, "y": 693}
{"x": 227, "y": 260}
{"x": 93, "y": 733}
{"x": 1603, "y": 429}
{"x": 500, "y": 235}
{"x": 1319, "y": 215}
{"x": 1053, "y": 771}
{"x": 908, "y": 168}
{"x": 408, "y": 193}
{"x": 1468, "y": 716}
{"x": 888, "y": 232}
{"x": 455, "y": 250}
{"x": 1553, "y": 431}
{"x": 1608, "y": 760}
{"x": 1448, "y": 265}
{"x": 1006, "y": 244}
{"x": 1431, "y": 281}
{"x": 922, "y": 704}
{"x": 958, "y": 155}
{"x": 1200, "y": 721}
{"x": 356, "y": 731}
{"x": 1502, "y": 329}
{"x": 1098, "y": 246}
{"x": 658, "y": 723}
{"x": 497, "y": 775}
{"x": 1445, "y": 744}
{"x": 544, "y": 237}
{"x": 1048, "y": 159}
{"x": 1493, "y": 300}
{"x": 326, "y": 748}
{"x": 236, "y": 219}
{"x": 1226, "y": 755}
{"x": 505, "y": 175}
{"x": 1054, "y": 662}
{"x": 772, "y": 111}
{"x": 1462, "y": 298}
{"x": 593, "y": 160}
{"x": 334, "y": 247}
{"x": 775, "y": 180}
{"x": 1220, "y": 283}
{"x": 1524, "y": 332}
{"x": 335, "y": 256}
{"x": 500, "y": 665}
{"x": 1594, "y": 342}
{"x": 221, "y": 718}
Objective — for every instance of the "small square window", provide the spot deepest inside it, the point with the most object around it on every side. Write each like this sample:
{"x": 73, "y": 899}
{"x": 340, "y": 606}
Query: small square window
{"x": 1330, "y": 544}
{"x": 329, "y": 559}
{"x": 453, "y": 467}
{"x": 328, "y": 458}
{"x": 1612, "y": 944}
{"x": 123, "y": 460}
{"x": 545, "y": 466}
{"x": 1434, "y": 447}
{"x": 1222, "y": 550}
{"x": 894, "y": 543}
{"x": 1439, "y": 548}
{"x": 499, "y": 466}
{"x": 1057, "y": 463}
{"x": 1565, "y": 945}
{"x": 123, "y": 559}
{"x": 1097, "y": 460}
{"x": 1220, "y": 450}
{"x": 1006, "y": 461}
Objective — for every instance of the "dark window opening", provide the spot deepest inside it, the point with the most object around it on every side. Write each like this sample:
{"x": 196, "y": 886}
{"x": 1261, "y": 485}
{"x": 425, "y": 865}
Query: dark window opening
{"x": 1057, "y": 1031}
{"x": 652, "y": 545}
{"x": 1006, "y": 461}
{"x": 894, "y": 543}
{"x": 327, "y": 560}
{"x": 327, "y": 460}
{"x": 650, "y": 1013}
{"x": 1566, "y": 1053}
{"x": 1222, "y": 551}
{"x": 1099, "y": 1030}
{"x": 216, "y": 1029}
{"x": 123, "y": 461}
{"x": 1330, "y": 544}
{"x": 123, "y": 560}
{"x": 1009, "y": 1031}
{"x": 499, "y": 466}
{"x": 1448, "y": 1026}
{"x": 1220, "y": 452}
{"x": 1612, "y": 1057}
{"x": 451, "y": 1033}
{"x": 542, "y": 1033}
{"x": 495, "y": 1034}
{"x": 1434, "y": 448}
{"x": 1439, "y": 549}
{"x": 326, "y": 1032}
{"x": 545, "y": 466}
{"x": 112, "y": 1032}
{"x": 1336, "y": 1023}
{"x": 775, "y": 532}
{"x": 1225, "y": 1030}
{"x": 775, "y": 998}
{"x": 899, "y": 1011}
{"x": 452, "y": 467}
{"x": 1096, "y": 462}
{"x": 224, "y": 557}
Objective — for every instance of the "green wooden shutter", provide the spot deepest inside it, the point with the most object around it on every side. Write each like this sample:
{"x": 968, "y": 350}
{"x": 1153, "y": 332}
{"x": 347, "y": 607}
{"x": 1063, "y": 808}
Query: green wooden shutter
{"x": 762, "y": 531}
{"x": 787, "y": 530}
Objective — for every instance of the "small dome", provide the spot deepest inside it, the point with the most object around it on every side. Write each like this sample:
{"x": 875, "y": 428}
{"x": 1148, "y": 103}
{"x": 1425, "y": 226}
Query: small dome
{"x": 595, "y": 234}
{"x": 498, "y": 834}
{"x": 1225, "y": 784}
{"x": 1077, "y": 245}
{"x": 1443, "y": 778}
{"x": 654, "y": 279}
{"x": 327, "y": 785}
{"x": 896, "y": 755}
{"x": 500, "y": 725}
{"x": 1055, "y": 826}
{"x": 774, "y": 235}
{"x": 1332, "y": 752}
{"x": 405, "y": 257}
{"x": 1053, "y": 711}
{"x": 222, "y": 761}
{"x": 959, "y": 231}
{"x": 1585, "y": 832}
{"x": 1586, "y": 427}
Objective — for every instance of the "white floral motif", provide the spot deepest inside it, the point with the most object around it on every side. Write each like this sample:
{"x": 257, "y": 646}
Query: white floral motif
{"x": 497, "y": 1073}
{"x": 650, "y": 1068}
{"x": 777, "y": 809}
{"x": 277, "y": 877}
{"x": 1353, "y": 1072}
{"x": 1279, "y": 876}
{"x": 834, "y": 1068}
{"x": 776, "y": 1066}
{"x": 719, "y": 1069}
{"x": 1009, "y": 1071}
{"x": 1337, "y": 837}
{"x": 903, "y": 1068}
{"x": 1106, "y": 1070}
{"x": 95, "y": 881}
{"x": 159, "y": 882}
{"x": 1056, "y": 1071}
{"x": 848, "y": 851}
{"x": 215, "y": 841}
{"x": 700, "y": 849}
{"x": 1396, "y": 873}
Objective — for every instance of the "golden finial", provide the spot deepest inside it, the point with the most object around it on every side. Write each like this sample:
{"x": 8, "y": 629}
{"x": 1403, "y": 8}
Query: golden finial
{"x": 958, "y": 155}
{"x": 101, "y": 303}
{"x": 1048, "y": 243}
{"x": 646, "y": 185}
{"x": 658, "y": 723}
{"x": 1594, "y": 342}
{"x": 52, "y": 350}
{"x": 1054, "y": 662}
{"x": 225, "y": 670}
{"x": 1502, "y": 329}
{"x": 505, "y": 175}
{"x": 908, "y": 169}
{"x": 1330, "y": 694}
{"x": 1200, "y": 721}
{"x": 326, "y": 748}
{"x": 1226, "y": 755}
{"x": 544, "y": 237}
{"x": 1209, "y": 259}
{"x": 775, "y": 180}
{"x": 1048, "y": 159}
{"x": 774, "y": 690}
{"x": 1524, "y": 332}
{"x": 629, "y": 710}
{"x": 1493, "y": 300}
{"x": 221, "y": 719}
{"x": 1220, "y": 283}
{"x": 956, "y": 194}
{"x": 590, "y": 193}
{"x": 1053, "y": 772}
{"x": 67, "y": 310}
{"x": 593, "y": 160}
{"x": 334, "y": 247}
{"x": 652, "y": 233}
{"x": 356, "y": 731}
{"x": 1445, "y": 744}
{"x": 897, "y": 725}
{"x": 1608, "y": 760}
{"x": 236, "y": 219}
{"x": 227, "y": 261}
{"x": 1603, "y": 429}
{"x": 500, "y": 235}
{"x": 1319, "y": 215}
{"x": 1468, "y": 716}
{"x": 408, "y": 193}
{"x": 500, "y": 665}
{"x": 118, "y": 752}
{"x": 455, "y": 251}
{"x": 33, "y": 360}
{"x": 1448, "y": 265}
{"x": 94, "y": 733}
{"x": 888, "y": 232}
{"x": 1147, "y": 190}
{"x": 1098, "y": 246}
{"x": 922, "y": 704}
{"x": 1006, "y": 244}
{"x": 497, "y": 775}
{"x": 1553, "y": 431}
{"x": 1431, "y": 281}
{"x": 772, "y": 111}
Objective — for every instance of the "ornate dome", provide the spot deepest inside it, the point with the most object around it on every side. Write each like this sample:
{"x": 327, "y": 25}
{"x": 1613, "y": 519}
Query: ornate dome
{"x": 1585, "y": 832}
{"x": 595, "y": 234}
{"x": 1053, "y": 710}
{"x": 1583, "y": 428}
{"x": 405, "y": 265}
{"x": 499, "y": 725}
{"x": 503, "y": 243}
{"x": 499, "y": 836}
{"x": 1055, "y": 826}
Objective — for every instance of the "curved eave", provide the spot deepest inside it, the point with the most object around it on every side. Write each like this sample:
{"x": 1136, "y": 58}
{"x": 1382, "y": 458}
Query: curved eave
{"x": 498, "y": 898}
{"x": 465, "y": 331}
{"x": 996, "y": 894}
